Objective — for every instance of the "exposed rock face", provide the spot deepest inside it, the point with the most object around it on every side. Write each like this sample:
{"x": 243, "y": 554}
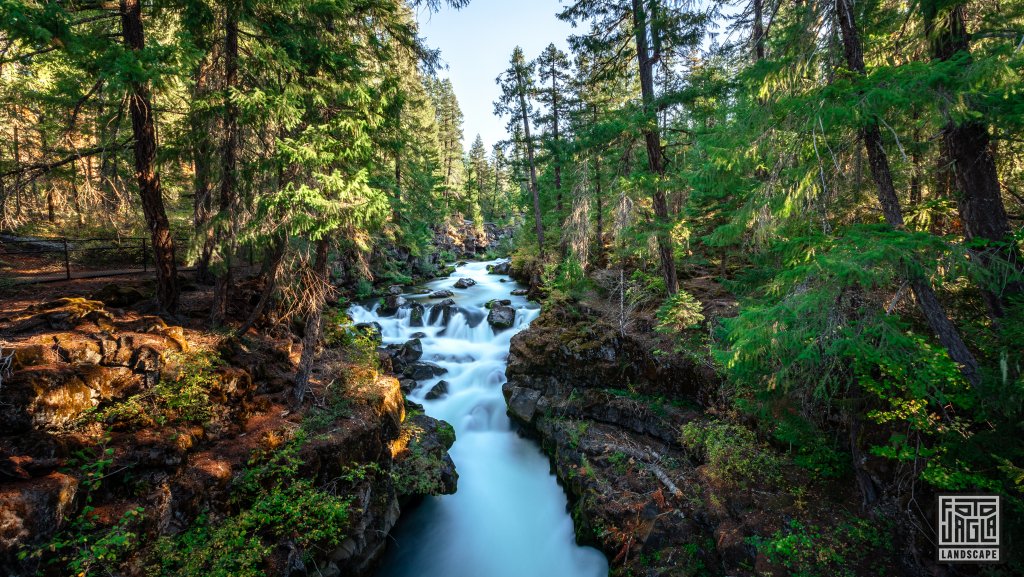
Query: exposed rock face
{"x": 35, "y": 508}
{"x": 468, "y": 240}
{"x": 588, "y": 394}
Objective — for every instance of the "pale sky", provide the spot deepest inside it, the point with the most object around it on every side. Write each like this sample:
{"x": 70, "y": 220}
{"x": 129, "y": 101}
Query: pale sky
{"x": 476, "y": 43}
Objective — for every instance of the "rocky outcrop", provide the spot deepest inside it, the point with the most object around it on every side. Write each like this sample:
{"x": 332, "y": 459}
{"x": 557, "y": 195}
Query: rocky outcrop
{"x": 468, "y": 240}
{"x": 80, "y": 399}
{"x": 598, "y": 402}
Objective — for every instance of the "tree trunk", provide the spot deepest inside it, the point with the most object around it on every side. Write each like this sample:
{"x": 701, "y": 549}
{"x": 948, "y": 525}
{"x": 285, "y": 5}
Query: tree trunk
{"x": 144, "y": 132}
{"x": 271, "y": 267}
{"x": 600, "y": 214}
{"x": 968, "y": 146}
{"x": 881, "y": 173}
{"x": 202, "y": 154}
{"x": 314, "y": 324}
{"x": 652, "y": 138}
{"x": 229, "y": 169}
{"x": 757, "y": 34}
{"x": 534, "y": 190}
{"x": 557, "y": 158}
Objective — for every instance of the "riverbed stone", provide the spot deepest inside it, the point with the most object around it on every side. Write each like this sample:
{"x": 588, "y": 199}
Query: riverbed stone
{"x": 442, "y": 294}
{"x": 464, "y": 283}
{"x": 503, "y": 267}
{"x": 438, "y": 391}
{"x": 416, "y": 315}
{"x": 423, "y": 370}
{"x": 501, "y": 317}
{"x": 411, "y": 351}
{"x": 390, "y": 304}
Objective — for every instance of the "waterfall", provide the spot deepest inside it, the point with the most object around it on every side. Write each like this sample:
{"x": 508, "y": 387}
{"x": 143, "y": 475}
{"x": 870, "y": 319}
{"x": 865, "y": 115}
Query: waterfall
{"x": 509, "y": 515}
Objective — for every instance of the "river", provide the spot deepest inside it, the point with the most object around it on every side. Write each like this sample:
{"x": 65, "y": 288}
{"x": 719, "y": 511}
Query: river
{"x": 509, "y": 516}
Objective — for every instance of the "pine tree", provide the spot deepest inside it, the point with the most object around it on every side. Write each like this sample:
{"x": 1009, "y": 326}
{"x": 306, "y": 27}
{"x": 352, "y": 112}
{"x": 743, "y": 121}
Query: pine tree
{"x": 516, "y": 85}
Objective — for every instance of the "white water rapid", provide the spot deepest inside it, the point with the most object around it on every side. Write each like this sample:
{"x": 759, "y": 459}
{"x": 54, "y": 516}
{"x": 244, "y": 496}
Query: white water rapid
{"x": 508, "y": 517}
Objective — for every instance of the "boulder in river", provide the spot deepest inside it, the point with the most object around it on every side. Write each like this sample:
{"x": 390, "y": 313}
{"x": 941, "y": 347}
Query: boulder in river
{"x": 411, "y": 351}
{"x": 423, "y": 370}
{"x": 464, "y": 283}
{"x": 520, "y": 292}
{"x": 442, "y": 310}
{"x": 503, "y": 267}
{"x": 416, "y": 315}
{"x": 407, "y": 385}
{"x": 442, "y": 294}
{"x": 395, "y": 289}
{"x": 501, "y": 316}
{"x": 437, "y": 391}
{"x": 389, "y": 305}
{"x": 419, "y": 335}
{"x": 497, "y": 302}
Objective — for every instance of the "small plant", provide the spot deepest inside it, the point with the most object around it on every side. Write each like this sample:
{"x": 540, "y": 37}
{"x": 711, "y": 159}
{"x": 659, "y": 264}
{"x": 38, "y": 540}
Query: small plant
{"x": 808, "y": 551}
{"x": 85, "y": 547}
{"x": 619, "y": 461}
{"x": 577, "y": 430}
{"x": 680, "y": 312}
{"x": 731, "y": 451}
{"x": 272, "y": 503}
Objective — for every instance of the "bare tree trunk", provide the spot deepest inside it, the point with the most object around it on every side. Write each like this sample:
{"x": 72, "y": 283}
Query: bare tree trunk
{"x": 150, "y": 192}
{"x": 229, "y": 168}
{"x": 534, "y": 189}
{"x": 202, "y": 155}
{"x": 652, "y": 138}
{"x": 557, "y": 158}
{"x": 314, "y": 324}
{"x": 936, "y": 316}
{"x": 271, "y": 268}
{"x": 757, "y": 34}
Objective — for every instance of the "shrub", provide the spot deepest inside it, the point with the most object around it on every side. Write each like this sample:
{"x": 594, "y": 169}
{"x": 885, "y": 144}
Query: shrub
{"x": 680, "y": 312}
{"x": 732, "y": 452}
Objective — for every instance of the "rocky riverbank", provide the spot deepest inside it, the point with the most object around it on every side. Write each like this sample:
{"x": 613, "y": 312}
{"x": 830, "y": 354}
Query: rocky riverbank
{"x": 663, "y": 485}
{"x": 124, "y": 437}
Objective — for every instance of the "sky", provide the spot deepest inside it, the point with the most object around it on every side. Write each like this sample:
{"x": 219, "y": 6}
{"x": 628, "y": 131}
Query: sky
{"x": 476, "y": 43}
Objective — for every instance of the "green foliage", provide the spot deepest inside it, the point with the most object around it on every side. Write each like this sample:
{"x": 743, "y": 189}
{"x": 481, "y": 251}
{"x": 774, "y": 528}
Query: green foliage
{"x": 274, "y": 503}
{"x": 86, "y": 546}
{"x": 359, "y": 347}
{"x": 569, "y": 279}
{"x": 732, "y": 452}
{"x": 809, "y": 551}
{"x": 680, "y": 312}
{"x": 181, "y": 399}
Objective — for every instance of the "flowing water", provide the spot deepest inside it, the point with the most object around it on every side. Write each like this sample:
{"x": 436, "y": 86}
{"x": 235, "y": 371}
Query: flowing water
{"x": 508, "y": 517}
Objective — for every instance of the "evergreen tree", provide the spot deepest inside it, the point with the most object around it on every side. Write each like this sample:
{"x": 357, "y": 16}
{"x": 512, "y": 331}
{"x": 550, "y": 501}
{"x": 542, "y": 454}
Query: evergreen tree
{"x": 516, "y": 86}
